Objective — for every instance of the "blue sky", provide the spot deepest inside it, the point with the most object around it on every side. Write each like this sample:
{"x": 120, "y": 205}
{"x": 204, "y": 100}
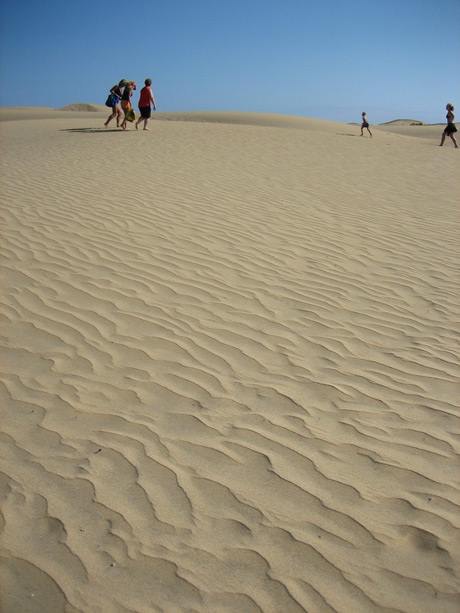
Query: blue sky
{"x": 329, "y": 59}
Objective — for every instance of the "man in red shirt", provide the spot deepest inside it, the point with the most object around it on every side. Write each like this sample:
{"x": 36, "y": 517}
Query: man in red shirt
{"x": 144, "y": 104}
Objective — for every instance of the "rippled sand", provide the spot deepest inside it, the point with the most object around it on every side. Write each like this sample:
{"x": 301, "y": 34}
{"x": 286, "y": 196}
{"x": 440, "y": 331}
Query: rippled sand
{"x": 231, "y": 366}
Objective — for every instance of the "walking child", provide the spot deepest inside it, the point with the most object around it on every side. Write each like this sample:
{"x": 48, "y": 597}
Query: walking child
{"x": 365, "y": 124}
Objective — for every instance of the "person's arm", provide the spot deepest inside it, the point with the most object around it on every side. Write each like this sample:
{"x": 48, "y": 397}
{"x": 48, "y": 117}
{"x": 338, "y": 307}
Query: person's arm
{"x": 153, "y": 100}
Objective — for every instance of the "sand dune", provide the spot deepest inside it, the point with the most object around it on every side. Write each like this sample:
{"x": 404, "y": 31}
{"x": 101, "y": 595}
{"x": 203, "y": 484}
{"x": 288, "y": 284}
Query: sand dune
{"x": 83, "y": 107}
{"x": 231, "y": 367}
{"x": 403, "y": 122}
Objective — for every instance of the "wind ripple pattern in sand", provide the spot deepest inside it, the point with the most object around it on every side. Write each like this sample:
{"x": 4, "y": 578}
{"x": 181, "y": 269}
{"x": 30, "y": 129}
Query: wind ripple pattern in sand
{"x": 231, "y": 366}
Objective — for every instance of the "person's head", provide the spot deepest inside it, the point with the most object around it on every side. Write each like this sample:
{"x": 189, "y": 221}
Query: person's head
{"x": 122, "y": 83}
{"x": 363, "y": 113}
{"x": 148, "y": 82}
{"x": 450, "y": 107}
{"x": 133, "y": 84}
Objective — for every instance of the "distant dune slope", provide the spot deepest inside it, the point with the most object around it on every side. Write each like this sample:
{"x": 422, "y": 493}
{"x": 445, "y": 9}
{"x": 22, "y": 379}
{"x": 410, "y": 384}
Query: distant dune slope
{"x": 83, "y": 107}
{"x": 402, "y": 127}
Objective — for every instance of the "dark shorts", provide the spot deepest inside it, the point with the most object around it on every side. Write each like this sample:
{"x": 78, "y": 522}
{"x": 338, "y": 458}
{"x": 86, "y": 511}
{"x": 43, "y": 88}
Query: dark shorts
{"x": 450, "y": 128}
{"x": 365, "y": 125}
{"x": 145, "y": 112}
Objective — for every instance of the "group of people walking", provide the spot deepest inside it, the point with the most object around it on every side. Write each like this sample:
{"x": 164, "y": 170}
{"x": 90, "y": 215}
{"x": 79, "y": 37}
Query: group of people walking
{"x": 120, "y": 101}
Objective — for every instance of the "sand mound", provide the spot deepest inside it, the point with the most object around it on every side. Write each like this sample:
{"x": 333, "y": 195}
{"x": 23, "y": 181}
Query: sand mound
{"x": 83, "y": 107}
{"x": 38, "y": 113}
{"x": 404, "y": 122}
{"x": 230, "y": 369}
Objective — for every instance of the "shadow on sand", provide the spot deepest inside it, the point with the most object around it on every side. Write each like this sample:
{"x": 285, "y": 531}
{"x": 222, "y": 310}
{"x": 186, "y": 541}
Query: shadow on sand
{"x": 91, "y": 130}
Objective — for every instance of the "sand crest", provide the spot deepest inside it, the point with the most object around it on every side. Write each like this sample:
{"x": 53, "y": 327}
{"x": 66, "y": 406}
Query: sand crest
{"x": 230, "y": 366}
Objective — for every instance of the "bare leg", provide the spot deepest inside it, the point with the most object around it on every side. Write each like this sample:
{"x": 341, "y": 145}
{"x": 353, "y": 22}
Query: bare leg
{"x": 125, "y": 121}
{"x": 454, "y": 141}
{"x": 145, "y": 123}
{"x": 110, "y": 118}
{"x": 443, "y": 138}
{"x": 369, "y": 132}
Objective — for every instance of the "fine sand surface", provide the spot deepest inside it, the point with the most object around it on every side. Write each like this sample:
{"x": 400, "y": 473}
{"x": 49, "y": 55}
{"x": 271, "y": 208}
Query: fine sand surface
{"x": 230, "y": 366}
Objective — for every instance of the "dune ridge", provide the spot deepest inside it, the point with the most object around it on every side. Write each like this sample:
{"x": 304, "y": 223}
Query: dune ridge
{"x": 230, "y": 369}
{"x": 402, "y": 127}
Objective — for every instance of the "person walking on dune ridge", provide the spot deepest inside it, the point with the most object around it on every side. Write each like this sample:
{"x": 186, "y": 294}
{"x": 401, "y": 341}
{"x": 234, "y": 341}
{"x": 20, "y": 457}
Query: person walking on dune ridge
{"x": 365, "y": 124}
{"x": 116, "y": 93}
{"x": 126, "y": 102}
{"x": 146, "y": 98}
{"x": 450, "y": 128}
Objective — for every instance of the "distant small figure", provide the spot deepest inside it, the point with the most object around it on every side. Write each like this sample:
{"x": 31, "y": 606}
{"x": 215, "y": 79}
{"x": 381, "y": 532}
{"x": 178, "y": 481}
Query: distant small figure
{"x": 145, "y": 99}
{"x": 450, "y": 128}
{"x": 116, "y": 92}
{"x": 126, "y": 101}
{"x": 365, "y": 124}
